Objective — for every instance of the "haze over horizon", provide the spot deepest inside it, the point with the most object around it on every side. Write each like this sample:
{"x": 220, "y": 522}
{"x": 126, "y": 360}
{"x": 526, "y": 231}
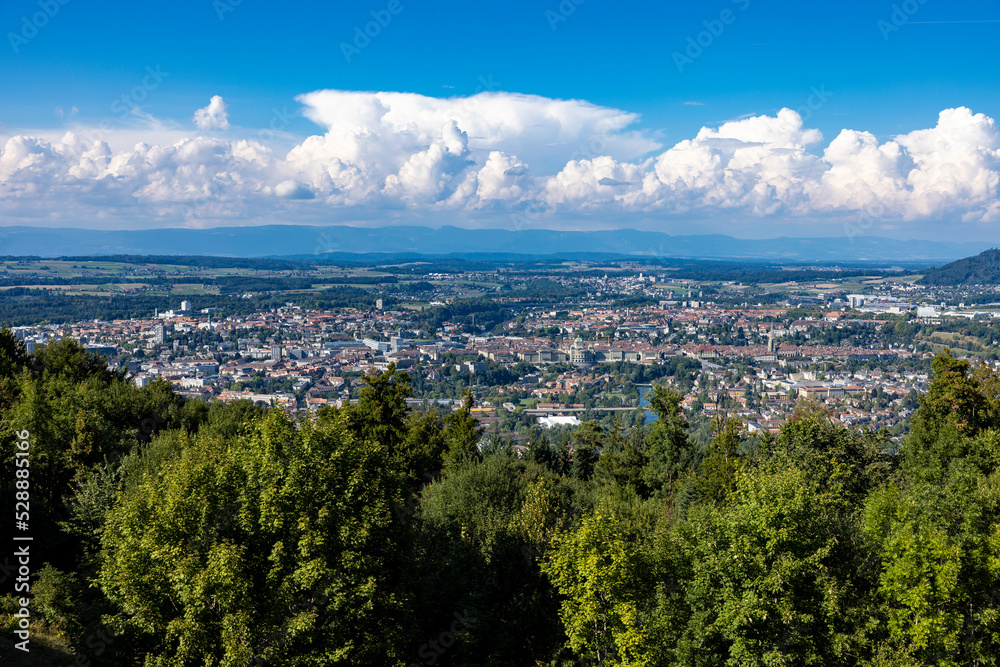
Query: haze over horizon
{"x": 739, "y": 117}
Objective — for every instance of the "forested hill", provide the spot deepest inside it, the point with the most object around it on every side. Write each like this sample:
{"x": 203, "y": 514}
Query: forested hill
{"x": 174, "y": 532}
{"x": 983, "y": 269}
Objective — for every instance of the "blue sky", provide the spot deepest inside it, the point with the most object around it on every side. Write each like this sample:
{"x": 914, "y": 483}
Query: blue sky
{"x": 887, "y": 69}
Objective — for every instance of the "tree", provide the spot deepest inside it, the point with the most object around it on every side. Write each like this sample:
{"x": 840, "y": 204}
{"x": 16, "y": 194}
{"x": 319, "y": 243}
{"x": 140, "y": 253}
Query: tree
{"x": 483, "y": 528}
{"x": 851, "y": 462}
{"x": 940, "y": 579}
{"x": 772, "y": 576}
{"x": 624, "y": 460}
{"x": 462, "y": 433}
{"x": 669, "y": 448}
{"x": 539, "y": 450}
{"x": 719, "y": 468}
{"x": 937, "y": 528}
{"x": 588, "y": 440}
{"x": 13, "y": 358}
{"x": 608, "y": 582}
{"x": 958, "y": 407}
{"x": 421, "y": 454}
{"x": 275, "y": 545}
{"x": 381, "y": 412}
{"x": 79, "y": 416}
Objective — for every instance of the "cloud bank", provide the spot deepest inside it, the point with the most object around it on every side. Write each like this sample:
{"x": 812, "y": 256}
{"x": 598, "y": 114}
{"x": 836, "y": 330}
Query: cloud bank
{"x": 499, "y": 157}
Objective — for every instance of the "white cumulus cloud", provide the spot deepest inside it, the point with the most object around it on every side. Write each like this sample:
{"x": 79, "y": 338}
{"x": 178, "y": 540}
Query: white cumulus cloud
{"x": 214, "y": 116}
{"x": 489, "y": 156}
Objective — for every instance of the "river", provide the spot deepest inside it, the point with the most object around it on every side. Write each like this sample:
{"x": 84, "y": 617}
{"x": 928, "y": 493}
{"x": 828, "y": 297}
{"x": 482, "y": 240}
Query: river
{"x": 643, "y": 390}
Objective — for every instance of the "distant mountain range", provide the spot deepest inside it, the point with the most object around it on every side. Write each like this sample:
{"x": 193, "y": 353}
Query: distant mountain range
{"x": 983, "y": 269}
{"x": 307, "y": 242}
